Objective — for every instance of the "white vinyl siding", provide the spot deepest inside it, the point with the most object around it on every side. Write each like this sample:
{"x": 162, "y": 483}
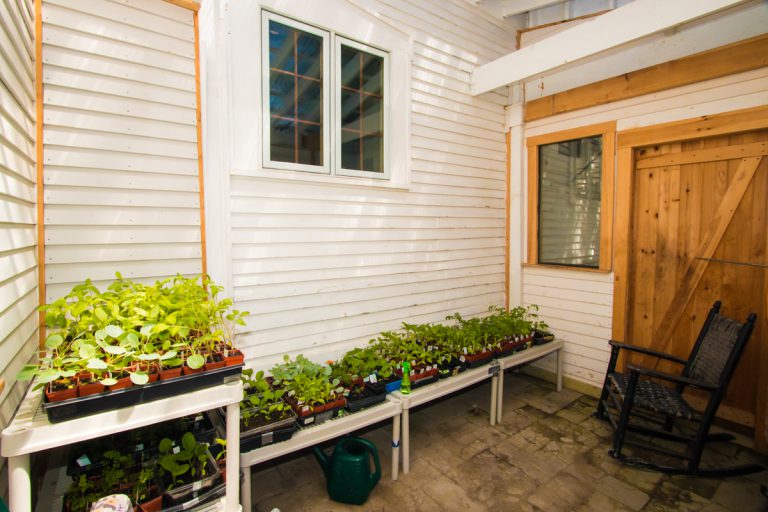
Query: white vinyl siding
{"x": 324, "y": 266}
{"x": 578, "y": 305}
{"x": 18, "y": 210}
{"x": 121, "y": 170}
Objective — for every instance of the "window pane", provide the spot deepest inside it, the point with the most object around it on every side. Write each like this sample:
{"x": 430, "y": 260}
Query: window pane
{"x": 372, "y": 73}
{"x": 282, "y": 137}
{"x": 281, "y": 94}
{"x": 569, "y": 202}
{"x": 362, "y": 115}
{"x": 310, "y": 144}
{"x": 310, "y": 97}
{"x": 295, "y": 95}
{"x": 373, "y": 151}
{"x": 350, "y": 150}
{"x": 373, "y": 121}
{"x": 350, "y": 67}
{"x": 310, "y": 53}
{"x": 281, "y": 46}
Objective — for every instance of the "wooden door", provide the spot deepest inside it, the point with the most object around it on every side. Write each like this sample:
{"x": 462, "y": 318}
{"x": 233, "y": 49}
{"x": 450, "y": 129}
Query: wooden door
{"x": 699, "y": 234}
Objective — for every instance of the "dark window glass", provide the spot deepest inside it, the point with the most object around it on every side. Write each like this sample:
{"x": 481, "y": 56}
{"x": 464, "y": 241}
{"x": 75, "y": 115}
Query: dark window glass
{"x": 570, "y": 175}
{"x": 362, "y": 116}
{"x": 295, "y": 95}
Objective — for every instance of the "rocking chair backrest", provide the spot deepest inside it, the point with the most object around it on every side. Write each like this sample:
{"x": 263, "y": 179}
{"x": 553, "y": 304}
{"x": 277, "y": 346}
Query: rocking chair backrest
{"x": 718, "y": 348}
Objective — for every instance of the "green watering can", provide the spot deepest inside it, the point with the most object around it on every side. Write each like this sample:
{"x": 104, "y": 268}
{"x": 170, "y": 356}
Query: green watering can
{"x": 348, "y": 470}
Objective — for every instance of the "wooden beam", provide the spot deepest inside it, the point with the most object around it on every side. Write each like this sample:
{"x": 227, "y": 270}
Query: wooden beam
{"x": 698, "y": 262}
{"x": 621, "y": 237}
{"x": 628, "y": 23}
{"x": 199, "y": 121}
{"x": 192, "y": 5}
{"x": 726, "y": 60}
{"x": 39, "y": 166}
{"x": 704, "y": 155}
{"x": 2, "y": 385}
{"x": 508, "y": 197}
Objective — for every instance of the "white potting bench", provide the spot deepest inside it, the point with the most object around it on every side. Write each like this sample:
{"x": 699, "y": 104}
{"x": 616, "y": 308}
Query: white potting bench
{"x": 30, "y": 432}
{"x": 330, "y": 429}
{"x": 494, "y": 371}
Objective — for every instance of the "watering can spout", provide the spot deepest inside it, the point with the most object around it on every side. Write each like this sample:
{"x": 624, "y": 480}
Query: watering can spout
{"x": 323, "y": 460}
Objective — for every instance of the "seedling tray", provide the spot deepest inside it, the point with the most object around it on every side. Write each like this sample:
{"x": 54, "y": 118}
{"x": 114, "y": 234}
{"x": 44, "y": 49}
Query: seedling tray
{"x": 135, "y": 395}
{"x": 417, "y": 383}
{"x": 374, "y": 394}
{"x": 475, "y": 360}
{"x": 191, "y": 490}
{"x": 263, "y": 435}
{"x": 322, "y": 416}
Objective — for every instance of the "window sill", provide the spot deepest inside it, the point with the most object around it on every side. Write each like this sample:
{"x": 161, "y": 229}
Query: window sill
{"x": 567, "y": 267}
{"x": 322, "y": 179}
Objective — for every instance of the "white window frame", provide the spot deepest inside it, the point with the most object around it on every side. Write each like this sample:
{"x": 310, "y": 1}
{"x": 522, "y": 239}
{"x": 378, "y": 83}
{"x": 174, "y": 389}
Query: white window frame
{"x": 266, "y": 17}
{"x": 338, "y": 169}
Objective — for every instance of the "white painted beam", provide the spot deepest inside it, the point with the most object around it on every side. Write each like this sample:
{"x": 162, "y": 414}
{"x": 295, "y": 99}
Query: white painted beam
{"x": 506, "y": 8}
{"x": 628, "y": 23}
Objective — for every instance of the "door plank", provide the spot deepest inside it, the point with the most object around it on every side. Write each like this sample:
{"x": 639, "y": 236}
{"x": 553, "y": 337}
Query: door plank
{"x": 705, "y": 155}
{"x": 696, "y": 267}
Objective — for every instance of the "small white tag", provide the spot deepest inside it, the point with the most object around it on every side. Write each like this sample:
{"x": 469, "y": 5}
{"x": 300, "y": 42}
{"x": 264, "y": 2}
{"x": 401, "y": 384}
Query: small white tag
{"x": 305, "y": 408}
{"x": 412, "y": 373}
{"x": 176, "y": 449}
{"x": 196, "y": 486}
{"x": 462, "y": 359}
{"x": 139, "y": 447}
{"x": 367, "y": 379}
{"x": 464, "y": 350}
{"x": 309, "y": 420}
{"x": 83, "y": 461}
{"x": 373, "y": 378}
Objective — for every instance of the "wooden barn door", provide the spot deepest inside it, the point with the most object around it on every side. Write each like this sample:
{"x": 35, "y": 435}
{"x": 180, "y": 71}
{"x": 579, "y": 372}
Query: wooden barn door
{"x": 698, "y": 234}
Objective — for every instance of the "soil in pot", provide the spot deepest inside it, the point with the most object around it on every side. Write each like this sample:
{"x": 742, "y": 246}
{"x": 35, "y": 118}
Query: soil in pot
{"x": 214, "y": 361}
{"x": 61, "y": 389}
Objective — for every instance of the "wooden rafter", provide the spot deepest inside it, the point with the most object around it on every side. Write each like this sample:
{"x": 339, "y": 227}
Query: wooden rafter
{"x": 697, "y": 264}
{"x": 628, "y": 23}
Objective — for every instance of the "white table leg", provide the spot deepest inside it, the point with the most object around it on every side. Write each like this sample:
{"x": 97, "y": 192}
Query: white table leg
{"x": 406, "y": 442}
{"x": 246, "y": 494}
{"x": 494, "y": 394}
{"x": 500, "y": 395}
{"x": 560, "y": 369}
{"x": 20, "y": 485}
{"x": 233, "y": 458}
{"x": 395, "y": 446}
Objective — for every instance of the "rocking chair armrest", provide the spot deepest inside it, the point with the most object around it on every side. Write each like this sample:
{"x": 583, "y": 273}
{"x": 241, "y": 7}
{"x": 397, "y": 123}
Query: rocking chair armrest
{"x": 687, "y": 381}
{"x": 647, "y": 351}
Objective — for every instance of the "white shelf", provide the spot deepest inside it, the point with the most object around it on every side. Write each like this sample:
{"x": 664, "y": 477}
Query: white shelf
{"x": 310, "y": 436}
{"x": 446, "y": 386}
{"x": 530, "y": 354}
{"x": 30, "y": 431}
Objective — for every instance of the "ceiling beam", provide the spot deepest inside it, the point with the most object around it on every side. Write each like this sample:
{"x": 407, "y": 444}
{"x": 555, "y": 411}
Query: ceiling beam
{"x": 632, "y": 21}
{"x": 506, "y": 8}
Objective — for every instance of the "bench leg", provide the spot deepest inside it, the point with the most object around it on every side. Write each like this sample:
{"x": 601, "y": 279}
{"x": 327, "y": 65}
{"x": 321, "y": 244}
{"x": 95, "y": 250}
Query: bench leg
{"x": 500, "y": 395}
{"x": 406, "y": 442}
{"x": 560, "y": 370}
{"x": 20, "y": 499}
{"x": 395, "y": 446}
{"x": 246, "y": 489}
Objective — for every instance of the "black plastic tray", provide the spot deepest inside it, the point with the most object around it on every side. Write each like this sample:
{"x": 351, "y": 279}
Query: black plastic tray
{"x": 266, "y": 438}
{"x": 374, "y": 394}
{"x": 135, "y": 395}
{"x": 415, "y": 384}
{"x": 319, "y": 417}
{"x": 479, "y": 362}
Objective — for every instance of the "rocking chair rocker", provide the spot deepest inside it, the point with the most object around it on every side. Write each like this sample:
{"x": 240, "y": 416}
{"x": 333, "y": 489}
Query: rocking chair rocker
{"x": 649, "y": 408}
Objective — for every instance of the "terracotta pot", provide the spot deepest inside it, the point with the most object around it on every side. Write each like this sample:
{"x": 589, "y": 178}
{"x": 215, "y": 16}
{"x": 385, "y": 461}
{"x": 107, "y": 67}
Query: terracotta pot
{"x": 186, "y": 370}
{"x": 122, "y": 383}
{"x": 233, "y": 357}
{"x": 64, "y": 393}
{"x": 214, "y": 361}
{"x": 90, "y": 388}
{"x": 170, "y": 373}
{"x": 154, "y": 504}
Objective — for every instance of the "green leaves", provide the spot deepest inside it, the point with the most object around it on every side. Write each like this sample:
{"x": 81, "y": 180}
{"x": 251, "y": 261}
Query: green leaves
{"x": 195, "y": 361}
{"x": 27, "y": 372}
{"x": 139, "y": 378}
{"x": 54, "y": 340}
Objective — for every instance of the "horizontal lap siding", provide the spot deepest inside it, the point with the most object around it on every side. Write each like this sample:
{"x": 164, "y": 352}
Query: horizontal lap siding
{"x": 323, "y": 268}
{"x": 121, "y": 171}
{"x": 578, "y": 305}
{"x": 18, "y": 211}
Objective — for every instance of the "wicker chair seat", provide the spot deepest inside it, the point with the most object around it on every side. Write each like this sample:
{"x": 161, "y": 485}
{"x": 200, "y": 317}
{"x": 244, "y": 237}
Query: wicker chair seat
{"x": 653, "y": 396}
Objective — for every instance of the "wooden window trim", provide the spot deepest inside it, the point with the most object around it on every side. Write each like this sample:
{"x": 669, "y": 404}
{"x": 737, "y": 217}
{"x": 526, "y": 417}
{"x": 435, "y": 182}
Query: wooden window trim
{"x": 608, "y": 132}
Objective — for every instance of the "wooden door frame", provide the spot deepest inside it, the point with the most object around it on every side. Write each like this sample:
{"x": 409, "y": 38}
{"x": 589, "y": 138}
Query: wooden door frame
{"x": 626, "y": 143}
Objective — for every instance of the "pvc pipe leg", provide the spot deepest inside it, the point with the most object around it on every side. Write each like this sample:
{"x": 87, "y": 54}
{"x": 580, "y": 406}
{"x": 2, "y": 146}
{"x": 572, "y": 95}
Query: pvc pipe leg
{"x": 395, "y": 446}
{"x": 20, "y": 484}
{"x": 560, "y": 370}
{"x": 494, "y": 395}
{"x": 406, "y": 442}
{"x": 233, "y": 457}
{"x": 246, "y": 494}
{"x": 500, "y": 396}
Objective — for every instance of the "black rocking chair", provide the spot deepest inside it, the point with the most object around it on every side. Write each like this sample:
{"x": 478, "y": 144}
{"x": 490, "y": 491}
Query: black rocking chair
{"x": 639, "y": 404}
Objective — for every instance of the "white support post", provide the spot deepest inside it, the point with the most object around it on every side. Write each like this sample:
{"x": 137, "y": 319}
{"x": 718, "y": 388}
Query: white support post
{"x": 233, "y": 458}
{"x": 406, "y": 442}
{"x": 21, "y": 487}
{"x": 246, "y": 489}
{"x": 395, "y": 446}
{"x": 500, "y": 396}
{"x": 560, "y": 370}
{"x": 494, "y": 394}
{"x": 516, "y": 203}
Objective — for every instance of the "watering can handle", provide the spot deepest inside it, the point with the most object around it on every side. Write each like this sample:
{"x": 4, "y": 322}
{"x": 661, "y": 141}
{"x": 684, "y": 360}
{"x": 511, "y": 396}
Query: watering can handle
{"x": 376, "y": 475}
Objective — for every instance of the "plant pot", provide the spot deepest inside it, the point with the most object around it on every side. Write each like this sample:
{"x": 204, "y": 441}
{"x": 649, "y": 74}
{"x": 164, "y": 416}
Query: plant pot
{"x": 214, "y": 361}
{"x": 90, "y": 388}
{"x": 317, "y": 414}
{"x": 541, "y": 337}
{"x": 186, "y": 370}
{"x": 264, "y": 432}
{"x": 169, "y": 373}
{"x": 56, "y": 391}
{"x": 155, "y": 501}
{"x": 373, "y": 394}
{"x": 233, "y": 356}
{"x": 184, "y": 491}
{"x": 477, "y": 359}
{"x": 122, "y": 383}
{"x": 149, "y": 368}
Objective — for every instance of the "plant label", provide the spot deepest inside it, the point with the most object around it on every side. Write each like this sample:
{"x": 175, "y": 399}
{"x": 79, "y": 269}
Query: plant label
{"x": 83, "y": 461}
{"x": 373, "y": 379}
{"x": 176, "y": 449}
{"x": 267, "y": 438}
{"x": 196, "y": 486}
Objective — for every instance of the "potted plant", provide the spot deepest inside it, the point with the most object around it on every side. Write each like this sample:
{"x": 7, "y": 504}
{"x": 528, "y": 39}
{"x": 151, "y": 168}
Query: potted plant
{"x": 310, "y": 389}
{"x": 186, "y": 468}
{"x": 264, "y": 417}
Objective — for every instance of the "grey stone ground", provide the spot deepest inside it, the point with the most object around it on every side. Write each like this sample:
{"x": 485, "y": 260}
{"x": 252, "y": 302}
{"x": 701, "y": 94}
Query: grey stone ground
{"x": 548, "y": 454}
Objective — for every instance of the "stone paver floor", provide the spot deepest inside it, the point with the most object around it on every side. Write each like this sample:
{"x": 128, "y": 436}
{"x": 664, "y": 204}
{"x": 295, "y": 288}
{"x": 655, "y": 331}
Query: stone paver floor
{"x": 548, "y": 454}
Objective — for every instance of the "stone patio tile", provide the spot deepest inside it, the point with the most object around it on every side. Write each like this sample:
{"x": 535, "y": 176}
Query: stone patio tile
{"x": 598, "y": 502}
{"x": 421, "y": 473}
{"x": 540, "y": 467}
{"x": 598, "y": 427}
{"x": 704, "y": 487}
{"x": 579, "y": 410}
{"x": 554, "y": 401}
{"x": 508, "y": 490}
{"x": 534, "y": 437}
{"x": 624, "y": 493}
{"x": 476, "y": 470}
{"x": 669, "y": 496}
{"x": 741, "y": 494}
{"x": 450, "y": 496}
{"x": 561, "y": 493}
{"x": 518, "y": 419}
{"x": 646, "y": 481}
